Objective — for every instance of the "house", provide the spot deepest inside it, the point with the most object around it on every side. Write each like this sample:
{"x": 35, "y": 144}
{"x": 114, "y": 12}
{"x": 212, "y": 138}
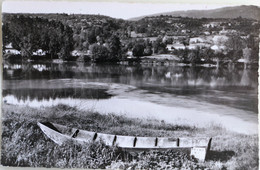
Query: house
{"x": 171, "y": 47}
{"x": 254, "y": 23}
{"x": 75, "y": 53}
{"x": 219, "y": 39}
{"x": 206, "y": 33}
{"x": 184, "y": 31}
{"x": 10, "y": 50}
{"x": 223, "y": 31}
{"x": 211, "y": 24}
{"x": 81, "y": 53}
{"x": 218, "y": 48}
{"x": 39, "y": 52}
{"x": 232, "y": 31}
{"x": 151, "y": 39}
{"x": 197, "y": 45}
{"x": 162, "y": 31}
{"x": 196, "y": 40}
{"x": 133, "y": 34}
{"x": 129, "y": 53}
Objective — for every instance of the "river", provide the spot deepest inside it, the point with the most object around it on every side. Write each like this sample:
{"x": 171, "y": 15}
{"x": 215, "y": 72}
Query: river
{"x": 198, "y": 96}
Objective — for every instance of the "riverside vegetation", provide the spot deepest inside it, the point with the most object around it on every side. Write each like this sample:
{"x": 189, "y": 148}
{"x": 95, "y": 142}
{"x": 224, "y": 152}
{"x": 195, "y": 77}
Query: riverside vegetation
{"x": 24, "y": 144}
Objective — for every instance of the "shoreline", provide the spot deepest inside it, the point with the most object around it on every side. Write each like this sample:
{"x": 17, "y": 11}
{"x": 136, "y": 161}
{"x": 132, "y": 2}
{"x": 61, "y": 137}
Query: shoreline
{"x": 182, "y": 113}
{"x": 166, "y": 59}
{"x": 229, "y": 149}
{"x": 60, "y": 110}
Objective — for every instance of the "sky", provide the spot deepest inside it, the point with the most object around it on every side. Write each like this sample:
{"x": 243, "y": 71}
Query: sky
{"x": 112, "y": 9}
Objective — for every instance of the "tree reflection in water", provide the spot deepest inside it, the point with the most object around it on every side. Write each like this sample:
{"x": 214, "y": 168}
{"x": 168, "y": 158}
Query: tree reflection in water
{"x": 233, "y": 85}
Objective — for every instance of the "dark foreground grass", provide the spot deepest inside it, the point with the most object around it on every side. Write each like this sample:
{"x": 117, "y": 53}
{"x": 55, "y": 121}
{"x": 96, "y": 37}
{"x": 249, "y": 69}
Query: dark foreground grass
{"x": 24, "y": 144}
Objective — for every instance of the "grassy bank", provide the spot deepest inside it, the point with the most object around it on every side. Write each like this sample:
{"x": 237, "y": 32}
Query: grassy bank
{"x": 24, "y": 144}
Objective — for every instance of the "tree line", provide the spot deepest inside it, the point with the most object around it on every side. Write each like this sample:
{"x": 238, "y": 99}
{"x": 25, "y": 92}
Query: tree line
{"x": 30, "y": 34}
{"x": 109, "y": 39}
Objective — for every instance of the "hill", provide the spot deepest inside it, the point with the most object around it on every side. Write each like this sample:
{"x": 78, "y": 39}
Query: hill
{"x": 251, "y": 12}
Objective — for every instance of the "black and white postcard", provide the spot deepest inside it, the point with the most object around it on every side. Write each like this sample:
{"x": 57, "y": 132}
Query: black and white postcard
{"x": 120, "y": 85}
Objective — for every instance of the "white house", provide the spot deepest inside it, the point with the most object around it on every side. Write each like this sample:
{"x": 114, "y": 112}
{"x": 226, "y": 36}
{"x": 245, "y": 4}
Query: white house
{"x": 39, "y": 52}
{"x": 219, "y": 39}
{"x": 212, "y": 24}
{"x": 74, "y": 53}
{"x": 135, "y": 35}
{"x": 196, "y": 40}
{"x": 171, "y": 47}
{"x": 207, "y": 33}
{"x": 129, "y": 53}
{"x": 10, "y": 50}
{"x": 218, "y": 48}
{"x": 201, "y": 45}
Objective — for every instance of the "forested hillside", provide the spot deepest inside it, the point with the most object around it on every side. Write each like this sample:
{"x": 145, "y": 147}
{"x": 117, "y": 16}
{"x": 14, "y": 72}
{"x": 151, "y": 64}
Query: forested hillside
{"x": 101, "y": 38}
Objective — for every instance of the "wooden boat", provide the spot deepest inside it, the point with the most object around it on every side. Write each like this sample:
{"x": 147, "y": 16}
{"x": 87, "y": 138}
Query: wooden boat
{"x": 61, "y": 134}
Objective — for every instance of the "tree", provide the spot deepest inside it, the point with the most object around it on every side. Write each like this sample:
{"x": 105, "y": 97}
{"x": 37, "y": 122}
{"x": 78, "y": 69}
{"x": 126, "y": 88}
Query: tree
{"x": 234, "y": 42}
{"x": 115, "y": 47}
{"x": 253, "y": 44}
{"x": 184, "y": 55}
{"x": 148, "y": 51}
{"x": 138, "y": 50}
{"x": 54, "y": 45}
{"x": 6, "y": 35}
{"x": 66, "y": 43}
{"x": 247, "y": 54}
{"x": 159, "y": 46}
{"x": 99, "y": 53}
{"x": 207, "y": 54}
{"x": 234, "y": 45}
{"x": 250, "y": 41}
{"x": 186, "y": 41}
{"x": 26, "y": 46}
{"x": 85, "y": 46}
{"x": 91, "y": 36}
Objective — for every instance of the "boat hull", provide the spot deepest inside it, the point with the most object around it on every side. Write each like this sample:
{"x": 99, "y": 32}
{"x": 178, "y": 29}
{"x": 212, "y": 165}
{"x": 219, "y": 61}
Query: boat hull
{"x": 61, "y": 134}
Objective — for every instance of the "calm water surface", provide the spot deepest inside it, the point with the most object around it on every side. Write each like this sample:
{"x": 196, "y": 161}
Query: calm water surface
{"x": 175, "y": 94}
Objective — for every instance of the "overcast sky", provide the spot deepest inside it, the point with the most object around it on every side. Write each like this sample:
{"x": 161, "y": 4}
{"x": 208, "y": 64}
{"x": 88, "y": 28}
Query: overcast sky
{"x": 113, "y": 9}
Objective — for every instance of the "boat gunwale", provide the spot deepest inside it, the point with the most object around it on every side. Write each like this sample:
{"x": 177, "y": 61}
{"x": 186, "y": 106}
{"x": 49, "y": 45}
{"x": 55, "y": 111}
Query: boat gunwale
{"x": 97, "y": 134}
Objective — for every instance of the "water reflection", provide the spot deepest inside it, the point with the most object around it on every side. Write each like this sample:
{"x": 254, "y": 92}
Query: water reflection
{"x": 224, "y": 86}
{"x": 47, "y": 94}
{"x": 140, "y": 74}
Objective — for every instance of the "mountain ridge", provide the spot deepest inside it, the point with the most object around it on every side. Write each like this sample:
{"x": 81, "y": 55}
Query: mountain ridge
{"x": 244, "y": 11}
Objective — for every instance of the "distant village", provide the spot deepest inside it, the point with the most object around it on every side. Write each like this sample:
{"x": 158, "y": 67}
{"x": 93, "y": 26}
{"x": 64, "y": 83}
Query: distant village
{"x": 100, "y": 38}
